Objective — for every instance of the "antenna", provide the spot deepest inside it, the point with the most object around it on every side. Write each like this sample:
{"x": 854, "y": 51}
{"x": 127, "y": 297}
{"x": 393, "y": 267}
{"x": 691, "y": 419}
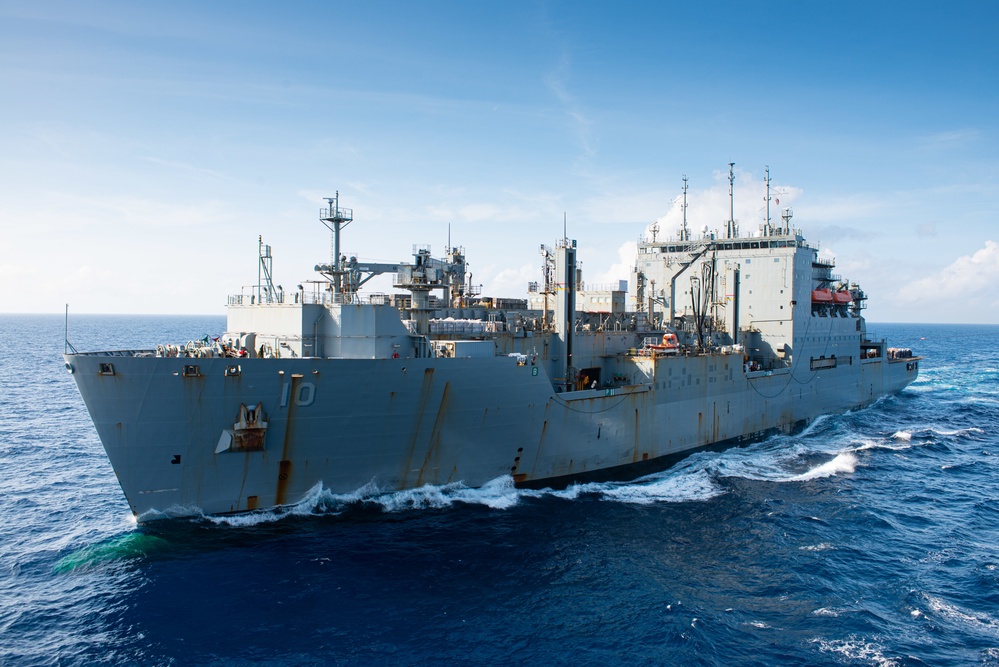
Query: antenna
{"x": 732, "y": 232}
{"x": 787, "y": 215}
{"x": 685, "y": 233}
{"x": 769, "y": 228}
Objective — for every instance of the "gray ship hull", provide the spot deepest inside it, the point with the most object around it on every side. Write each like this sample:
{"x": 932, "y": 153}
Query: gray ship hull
{"x": 176, "y": 433}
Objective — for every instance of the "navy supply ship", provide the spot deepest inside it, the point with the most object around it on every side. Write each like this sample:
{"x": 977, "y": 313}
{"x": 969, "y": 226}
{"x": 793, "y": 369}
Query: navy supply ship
{"x": 733, "y": 337}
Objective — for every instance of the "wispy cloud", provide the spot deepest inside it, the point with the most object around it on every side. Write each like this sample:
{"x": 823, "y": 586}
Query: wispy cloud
{"x": 850, "y": 207}
{"x": 926, "y": 229}
{"x": 181, "y": 166}
{"x": 835, "y": 233}
{"x": 556, "y": 81}
{"x": 140, "y": 213}
{"x": 949, "y": 139}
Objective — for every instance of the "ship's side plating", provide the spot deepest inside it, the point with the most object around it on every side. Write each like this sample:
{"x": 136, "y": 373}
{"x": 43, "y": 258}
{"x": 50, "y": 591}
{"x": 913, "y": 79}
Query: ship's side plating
{"x": 396, "y": 424}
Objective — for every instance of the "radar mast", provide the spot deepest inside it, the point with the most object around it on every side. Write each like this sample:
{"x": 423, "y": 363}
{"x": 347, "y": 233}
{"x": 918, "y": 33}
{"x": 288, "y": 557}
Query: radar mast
{"x": 336, "y": 218}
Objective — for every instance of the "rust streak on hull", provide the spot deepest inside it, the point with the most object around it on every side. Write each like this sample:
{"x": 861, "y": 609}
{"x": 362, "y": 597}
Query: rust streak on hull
{"x": 284, "y": 466}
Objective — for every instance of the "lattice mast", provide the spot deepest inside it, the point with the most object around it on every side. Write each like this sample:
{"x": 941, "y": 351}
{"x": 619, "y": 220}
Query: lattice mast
{"x": 336, "y": 218}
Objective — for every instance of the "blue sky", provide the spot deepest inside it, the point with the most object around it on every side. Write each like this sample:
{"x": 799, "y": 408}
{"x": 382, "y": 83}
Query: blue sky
{"x": 144, "y": 147}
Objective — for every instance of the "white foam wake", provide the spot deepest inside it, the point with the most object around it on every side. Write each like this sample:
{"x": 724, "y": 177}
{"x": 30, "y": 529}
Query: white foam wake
{"x": 896, "y": 444}
{"x": 694, "y": 479}
{"x": 498, "y": 494}
{"x": 314, "y": 499}
{"x": 672, "y": 486}
{"x": 843, "y": 463}
{"x": 779, "y": 464}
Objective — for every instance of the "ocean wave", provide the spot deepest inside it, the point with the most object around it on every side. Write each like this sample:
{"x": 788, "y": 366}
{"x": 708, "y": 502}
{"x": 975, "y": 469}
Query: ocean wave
{"x": 668, "y": 486}
{"x": 778, "y": 465}
{"x": 977, "y": 621}
{"x": 857, "y": 649}
{"x": 844, "y": 462}
{"x": 814, "y": 426}
{"x": 959, "y": 433}
{"x": 985, "y": 400}
{"x": 908, "y": 438}
{"x": 776, "y": 459}
{"x": 823, "y": 611}
{"x": 894, "y": 445}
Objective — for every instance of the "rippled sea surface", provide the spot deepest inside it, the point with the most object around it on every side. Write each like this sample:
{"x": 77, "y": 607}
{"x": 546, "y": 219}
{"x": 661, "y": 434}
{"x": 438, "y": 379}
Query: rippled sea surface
{"x": 870, "y": 539}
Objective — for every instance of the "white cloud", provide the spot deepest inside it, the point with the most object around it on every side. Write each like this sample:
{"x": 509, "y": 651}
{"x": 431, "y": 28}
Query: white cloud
{"x": 125, "y": 254}
{"x": 510, "y": 282}
{"x": 620, "y": 270}
{"x": 970, "y": 281}
{"x": 854, "y": 266}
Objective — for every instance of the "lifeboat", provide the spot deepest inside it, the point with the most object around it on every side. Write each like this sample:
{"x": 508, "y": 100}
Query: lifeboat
{"x": 822, "y": 296}
{"x": 842, "y": 297}
{"x": 670, "y": 343}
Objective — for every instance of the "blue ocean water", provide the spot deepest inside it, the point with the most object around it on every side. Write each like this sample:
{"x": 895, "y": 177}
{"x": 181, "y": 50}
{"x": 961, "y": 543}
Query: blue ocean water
{"x": 869, "y": 539}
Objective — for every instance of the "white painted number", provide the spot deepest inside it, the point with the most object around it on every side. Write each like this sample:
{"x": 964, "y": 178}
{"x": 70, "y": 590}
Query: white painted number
{"x": 305, "y": 396}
